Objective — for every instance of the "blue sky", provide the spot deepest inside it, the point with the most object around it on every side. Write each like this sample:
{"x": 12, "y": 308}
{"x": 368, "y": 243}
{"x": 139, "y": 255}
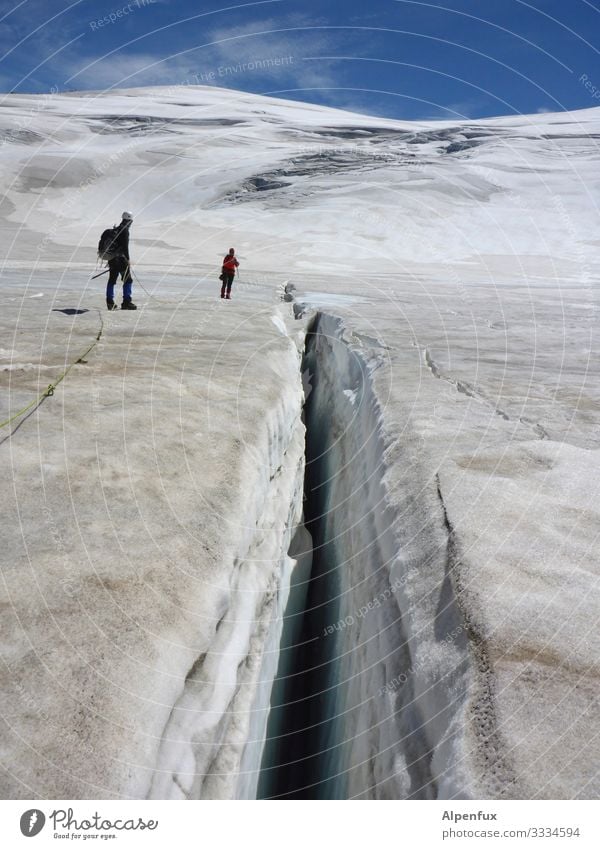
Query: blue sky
{"x": 397, "y": 58}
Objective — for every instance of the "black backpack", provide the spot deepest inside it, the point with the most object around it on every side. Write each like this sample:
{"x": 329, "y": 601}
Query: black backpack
{"x": 107, "y": 248}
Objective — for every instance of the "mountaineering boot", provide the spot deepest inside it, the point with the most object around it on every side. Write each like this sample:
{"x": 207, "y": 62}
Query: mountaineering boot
{"x": 110, "y": 305}
{"x": 128, "y": 305}
{"x": 228, "y": 296}
{"x": 223, "y": 291}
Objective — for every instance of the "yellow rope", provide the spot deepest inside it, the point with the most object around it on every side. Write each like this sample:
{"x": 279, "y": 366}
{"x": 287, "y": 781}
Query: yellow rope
{"x": 52, "y": 386}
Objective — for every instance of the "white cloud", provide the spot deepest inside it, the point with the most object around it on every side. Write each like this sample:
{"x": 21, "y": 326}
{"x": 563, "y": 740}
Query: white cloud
{"x": 123, "y": 71}
{"x": 261, "y": 42}
{"x": 265, "y": 55}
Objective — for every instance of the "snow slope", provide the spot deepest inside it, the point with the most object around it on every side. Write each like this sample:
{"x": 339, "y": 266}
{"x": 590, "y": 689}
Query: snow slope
{"x": 153, "y": 498}
{"x": 195, "y": 163}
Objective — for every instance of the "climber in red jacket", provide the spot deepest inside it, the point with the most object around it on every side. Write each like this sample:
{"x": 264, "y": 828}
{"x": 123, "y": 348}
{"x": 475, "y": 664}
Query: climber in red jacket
{"x": 230, "y": 264}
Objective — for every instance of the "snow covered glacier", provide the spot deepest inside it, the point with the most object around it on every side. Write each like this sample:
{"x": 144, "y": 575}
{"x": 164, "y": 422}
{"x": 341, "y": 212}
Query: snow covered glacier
{"x": 337, "y": 537}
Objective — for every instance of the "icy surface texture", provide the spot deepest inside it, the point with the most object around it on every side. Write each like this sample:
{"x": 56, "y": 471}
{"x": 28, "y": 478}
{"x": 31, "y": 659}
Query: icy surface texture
{"x": 467, "y": 631}
{"x": 151, "y": 501}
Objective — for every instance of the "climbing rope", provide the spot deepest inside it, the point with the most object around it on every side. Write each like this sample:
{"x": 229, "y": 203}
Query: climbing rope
{"x": 141, "y": 285}
{"x": 52, "y": 386}
{"x": 150, "y": 295}
{"x": 138, "y": 283}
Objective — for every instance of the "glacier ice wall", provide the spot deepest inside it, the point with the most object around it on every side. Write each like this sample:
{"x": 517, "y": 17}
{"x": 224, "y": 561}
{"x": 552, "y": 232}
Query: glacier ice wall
{"x": 402, "y": 670}
{"x": 212, "y": 744}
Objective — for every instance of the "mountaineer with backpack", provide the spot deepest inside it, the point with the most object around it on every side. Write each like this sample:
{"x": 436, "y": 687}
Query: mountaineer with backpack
{"x": 114, "y": 248}
{"x": 230, "y": 264}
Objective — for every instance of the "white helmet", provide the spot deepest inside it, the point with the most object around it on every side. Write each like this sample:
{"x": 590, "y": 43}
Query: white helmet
{"x": 127, "y": 216}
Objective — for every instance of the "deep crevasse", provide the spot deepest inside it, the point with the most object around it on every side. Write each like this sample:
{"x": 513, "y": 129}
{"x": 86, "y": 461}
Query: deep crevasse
{"x": 212, "y": 744}
{"x": 403, "y": 670}
{"x": 401, "y": 687}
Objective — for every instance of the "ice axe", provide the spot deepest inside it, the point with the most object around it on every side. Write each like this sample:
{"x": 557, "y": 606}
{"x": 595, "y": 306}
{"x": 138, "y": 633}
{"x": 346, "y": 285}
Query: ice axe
{"x": 106, "y": 270}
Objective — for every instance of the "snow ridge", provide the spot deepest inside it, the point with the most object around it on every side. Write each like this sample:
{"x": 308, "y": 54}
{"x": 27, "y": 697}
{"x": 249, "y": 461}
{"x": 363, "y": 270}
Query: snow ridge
{"x": 472, "y": 392}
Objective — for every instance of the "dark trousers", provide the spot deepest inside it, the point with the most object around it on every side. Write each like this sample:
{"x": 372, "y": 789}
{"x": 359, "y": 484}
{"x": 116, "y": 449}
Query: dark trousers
{"x": 228, "y": 280}
{"x": 119, "y": 265}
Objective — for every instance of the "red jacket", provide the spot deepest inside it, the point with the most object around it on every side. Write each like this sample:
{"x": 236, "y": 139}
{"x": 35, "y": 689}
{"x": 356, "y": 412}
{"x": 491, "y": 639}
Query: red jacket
{"x": 230, "y": 264}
